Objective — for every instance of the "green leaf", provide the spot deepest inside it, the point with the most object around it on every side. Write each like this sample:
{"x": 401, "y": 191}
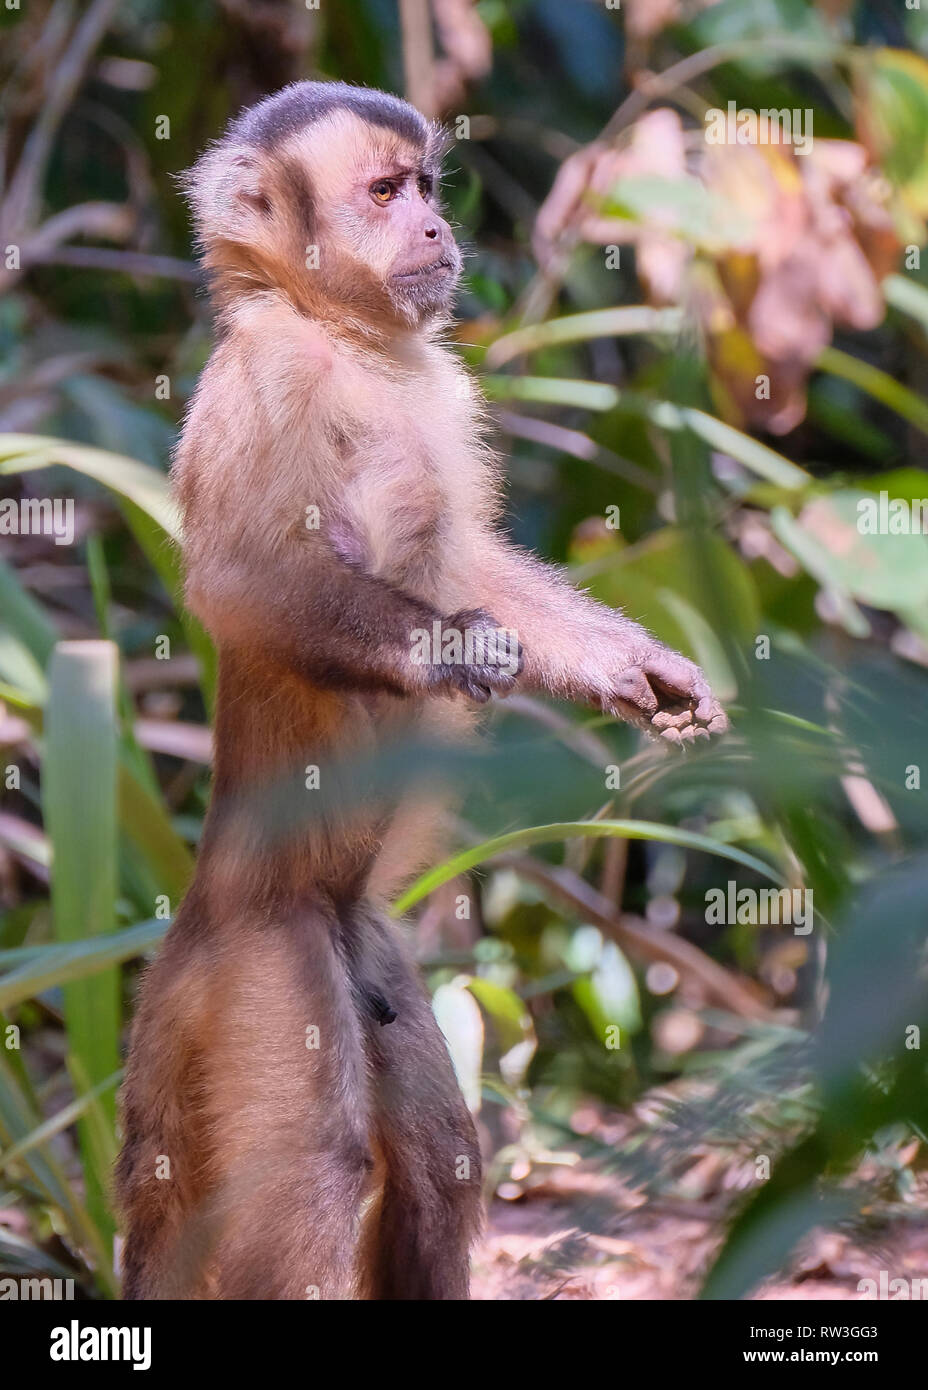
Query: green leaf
{"x": 505, "y": 1008}
{"x": 586, "y": 395}
{"x": 79, "y": 807}
{"x": 593, "y": 395}
{"x": 879, "y": 385}
{"x": 762, "y": 1238}
{"x": 908, "y": 296}
{"x": 147, "y": 488}
{"x": 573, "y": 830}
{"x": 830, "y": 538}
{"x": 18, "y": 1120}
{"x": 765, "y": 462}
{"x": 144, "y": 819}
{"x": 25, "y": 617}
{"x": 61, "y": 1120}
{"x": 26, "y": 637}
{"x": 875, "y": 986}
{"x": 894, "y": 111}
{"x": 40, "y": 968}
{"x": 575, "y": 328}
{"x": 164, "y": 557}
{"x": 460, "y": 1020}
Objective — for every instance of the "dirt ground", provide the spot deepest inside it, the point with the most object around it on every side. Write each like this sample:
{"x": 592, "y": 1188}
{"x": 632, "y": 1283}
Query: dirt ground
{"x": 580, "y": 1235}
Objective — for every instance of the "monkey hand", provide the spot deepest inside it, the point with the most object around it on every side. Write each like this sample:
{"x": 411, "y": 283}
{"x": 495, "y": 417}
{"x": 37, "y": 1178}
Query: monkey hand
{"x": 665, "y": 693}
{"x": 477, "y": 658}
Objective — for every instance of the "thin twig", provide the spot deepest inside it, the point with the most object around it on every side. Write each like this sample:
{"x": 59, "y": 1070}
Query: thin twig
{"x": 126, "y": 262}
{"x": 19, "y": 207}
{"x": 418, "y": 55}
{"x": 639, "y": 940}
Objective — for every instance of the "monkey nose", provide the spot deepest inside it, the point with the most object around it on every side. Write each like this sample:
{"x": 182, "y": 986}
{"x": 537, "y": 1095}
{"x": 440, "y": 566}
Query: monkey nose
{"x": 431, "y": 233}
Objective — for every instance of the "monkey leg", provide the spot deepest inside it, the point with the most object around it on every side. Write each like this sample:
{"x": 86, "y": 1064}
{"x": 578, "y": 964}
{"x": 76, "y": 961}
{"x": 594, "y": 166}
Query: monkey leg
{"x": 418, "y": 1237}
{"x": 282, "y": 1119}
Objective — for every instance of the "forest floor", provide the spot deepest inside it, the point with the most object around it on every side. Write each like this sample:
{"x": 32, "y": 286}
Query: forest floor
{"x": 580, "y": 1233}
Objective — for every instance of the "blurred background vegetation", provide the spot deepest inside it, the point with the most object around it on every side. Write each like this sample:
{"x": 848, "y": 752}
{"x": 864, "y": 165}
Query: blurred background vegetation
{"x": 700, "y": 359}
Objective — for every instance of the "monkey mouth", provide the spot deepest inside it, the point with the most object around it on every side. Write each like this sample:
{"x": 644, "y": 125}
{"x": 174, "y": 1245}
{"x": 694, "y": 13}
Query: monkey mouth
{"x": 442, "y": 266}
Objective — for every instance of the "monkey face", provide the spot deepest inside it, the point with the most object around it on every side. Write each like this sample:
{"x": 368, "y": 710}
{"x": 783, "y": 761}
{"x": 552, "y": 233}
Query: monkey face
{"x": 383, "y": 243}
{"x": 427, "y": 262}
{"x": 333, "y": 204}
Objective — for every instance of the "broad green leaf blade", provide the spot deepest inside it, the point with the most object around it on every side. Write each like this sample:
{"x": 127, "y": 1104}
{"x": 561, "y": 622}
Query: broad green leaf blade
{"x": 841, "y": 541}
{"x": 574, "y": 328}
{"x": 760, "y": 459}
{"x": 461, "y": 1022}
{"x": 25, "y": 617}
{"x": 908, "y": 297}
{"x": 594, "y": 395}
{"x": 508, "y": 1012}
{"x": 880, "y": 385}
{"x": 147, "y": 488}
{"x": 144, "y": 819}
{"x": 41, "y": 968}
{"x": 587, "y": 395}
{"x": 573, "y": 830}
{"x": 79, "y": 806}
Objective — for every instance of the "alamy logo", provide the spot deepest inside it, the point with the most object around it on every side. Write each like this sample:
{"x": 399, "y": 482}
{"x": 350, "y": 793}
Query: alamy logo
{"x": 473, "y": 646}
{"x": 76, "y": 1343}
{"x": 894, "y": 1289}
{"x": 885, "y": 516}
{"x": 30, "y": 1289}
{"x": 733, "y": 906}
{"x": 38, "y": 516}
{"x": 767, "y": 126}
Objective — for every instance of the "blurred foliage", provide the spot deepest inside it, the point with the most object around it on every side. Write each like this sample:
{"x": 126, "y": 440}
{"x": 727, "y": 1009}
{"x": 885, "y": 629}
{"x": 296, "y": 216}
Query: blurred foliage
{"x": 704, "y": 359}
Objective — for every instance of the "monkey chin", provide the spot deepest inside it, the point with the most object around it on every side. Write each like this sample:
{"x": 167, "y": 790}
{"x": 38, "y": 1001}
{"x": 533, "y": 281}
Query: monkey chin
{"x": 427, "y": 291}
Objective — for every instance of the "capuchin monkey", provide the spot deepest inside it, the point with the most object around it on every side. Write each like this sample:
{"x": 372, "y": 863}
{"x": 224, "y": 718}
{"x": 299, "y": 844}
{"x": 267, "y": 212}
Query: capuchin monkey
{"x": 292, "y": 1123}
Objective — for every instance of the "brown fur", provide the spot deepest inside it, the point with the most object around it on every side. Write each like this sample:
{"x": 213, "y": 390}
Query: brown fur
{"x": 352, "y": 1168}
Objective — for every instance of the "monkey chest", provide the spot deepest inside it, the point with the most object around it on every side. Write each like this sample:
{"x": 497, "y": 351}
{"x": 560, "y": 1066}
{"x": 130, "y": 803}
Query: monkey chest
{"x": 400, "y": 507}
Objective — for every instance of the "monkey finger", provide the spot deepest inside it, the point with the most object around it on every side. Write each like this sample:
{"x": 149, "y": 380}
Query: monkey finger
{"x": 707, "y": 707}
{"x": 631, "y": 714}
{"x": 665, "y": 719}
{"x": 632, "y": 686}
{"x": 682, "y": 679}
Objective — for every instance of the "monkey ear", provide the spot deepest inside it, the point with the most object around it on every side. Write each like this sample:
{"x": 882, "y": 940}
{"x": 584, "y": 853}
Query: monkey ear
{"x": 227, "y": 193}
{"x": 247, "y": 189}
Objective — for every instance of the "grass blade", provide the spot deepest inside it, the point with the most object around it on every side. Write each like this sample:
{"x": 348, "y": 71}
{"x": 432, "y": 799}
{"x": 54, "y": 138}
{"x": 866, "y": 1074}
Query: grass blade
{"x": 79, "y": 806}
{"x": 146, "y": 487}
{"x": 40, "y": 968}
{"x": 573, "y": 830}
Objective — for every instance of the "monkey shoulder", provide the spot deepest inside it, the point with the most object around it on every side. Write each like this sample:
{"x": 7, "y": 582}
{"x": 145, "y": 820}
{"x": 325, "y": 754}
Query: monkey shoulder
{"x": 267, "y": 326}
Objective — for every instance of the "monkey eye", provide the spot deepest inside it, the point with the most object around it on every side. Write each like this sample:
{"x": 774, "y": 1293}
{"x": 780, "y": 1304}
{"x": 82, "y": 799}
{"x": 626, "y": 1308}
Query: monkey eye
{"x": 424, "y": 184}
{"x": 382, "y": 191}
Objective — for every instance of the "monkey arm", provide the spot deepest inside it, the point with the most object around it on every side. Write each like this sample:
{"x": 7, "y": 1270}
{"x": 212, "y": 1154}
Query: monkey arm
{"x": 578, "y": 649}
{"x": 335, "y": 624}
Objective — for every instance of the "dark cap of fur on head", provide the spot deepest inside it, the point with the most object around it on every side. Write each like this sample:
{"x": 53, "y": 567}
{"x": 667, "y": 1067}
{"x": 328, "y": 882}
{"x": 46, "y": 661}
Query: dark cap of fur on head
{"x": 293, "y": 108}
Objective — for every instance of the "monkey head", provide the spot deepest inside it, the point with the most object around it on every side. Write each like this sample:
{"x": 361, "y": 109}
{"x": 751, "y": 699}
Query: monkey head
{"x": 328, "y": 193}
